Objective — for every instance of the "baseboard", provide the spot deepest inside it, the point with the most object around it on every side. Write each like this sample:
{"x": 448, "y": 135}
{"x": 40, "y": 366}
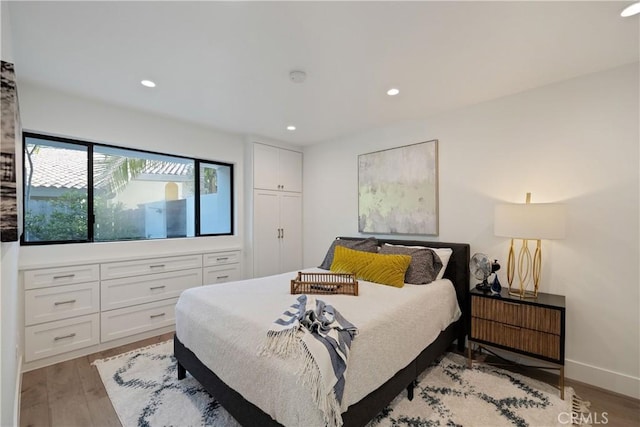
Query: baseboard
{"x": 16, "y": 399}
{"x": 603, "y": 378}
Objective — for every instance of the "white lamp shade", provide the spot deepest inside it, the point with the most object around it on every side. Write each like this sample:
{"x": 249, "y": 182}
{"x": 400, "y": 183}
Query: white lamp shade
{"x": 530, "y": 221}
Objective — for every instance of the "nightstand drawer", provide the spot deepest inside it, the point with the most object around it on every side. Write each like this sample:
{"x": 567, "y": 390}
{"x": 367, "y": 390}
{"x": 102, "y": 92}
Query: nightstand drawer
{"x": 527, "y": 340}
{"x": 542, "y": 319}
{"x": 547, "y": 345}
{"x": 496, "y": 333}
{"x": 497, "y": 310}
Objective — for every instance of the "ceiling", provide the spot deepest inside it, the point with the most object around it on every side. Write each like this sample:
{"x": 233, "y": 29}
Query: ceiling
{"x": 226, "y": 64}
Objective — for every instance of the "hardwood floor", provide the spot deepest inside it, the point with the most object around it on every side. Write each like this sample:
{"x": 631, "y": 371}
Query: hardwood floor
{"x": 71, "y": 394}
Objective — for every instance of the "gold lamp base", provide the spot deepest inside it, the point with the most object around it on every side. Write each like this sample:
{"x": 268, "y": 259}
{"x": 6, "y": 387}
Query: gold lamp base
{"x": 528, "y": 270}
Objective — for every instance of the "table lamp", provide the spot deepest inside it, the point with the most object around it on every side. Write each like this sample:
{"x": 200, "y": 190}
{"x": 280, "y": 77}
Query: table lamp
{"x": 528, "y": 221}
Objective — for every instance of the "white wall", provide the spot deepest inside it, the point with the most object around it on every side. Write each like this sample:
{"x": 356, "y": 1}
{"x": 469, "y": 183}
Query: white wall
{"x": 57, "y": 113}
{"x": 574, "y": 142}
{"x": 9, "y": 323}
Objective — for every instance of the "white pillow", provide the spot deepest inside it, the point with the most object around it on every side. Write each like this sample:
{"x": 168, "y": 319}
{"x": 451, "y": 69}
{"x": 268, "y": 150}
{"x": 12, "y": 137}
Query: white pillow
{"x": 443, "y": 253}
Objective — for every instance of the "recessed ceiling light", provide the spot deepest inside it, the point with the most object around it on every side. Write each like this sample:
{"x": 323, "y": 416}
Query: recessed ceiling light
{"x": 632, "y": 9}
{"x": 148, "y": 83}
{"x": 291, "y": 127}
{"x": 393, "y": 92}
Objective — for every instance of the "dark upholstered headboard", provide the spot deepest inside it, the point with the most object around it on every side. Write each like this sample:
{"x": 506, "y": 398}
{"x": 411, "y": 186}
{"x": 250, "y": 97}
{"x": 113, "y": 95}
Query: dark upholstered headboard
{"x": 457, "y": 270}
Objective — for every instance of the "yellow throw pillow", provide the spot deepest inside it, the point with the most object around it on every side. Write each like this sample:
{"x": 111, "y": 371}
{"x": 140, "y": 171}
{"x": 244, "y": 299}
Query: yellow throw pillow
{"x": 378, "y": 268}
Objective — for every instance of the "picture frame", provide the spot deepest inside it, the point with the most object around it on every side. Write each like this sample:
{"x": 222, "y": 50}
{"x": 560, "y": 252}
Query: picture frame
{"x": 11, "y": 133}
{"x": 398, "y": 190}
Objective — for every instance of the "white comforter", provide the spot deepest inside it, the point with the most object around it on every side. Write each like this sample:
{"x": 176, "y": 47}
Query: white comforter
{"x": 224, "y": 324}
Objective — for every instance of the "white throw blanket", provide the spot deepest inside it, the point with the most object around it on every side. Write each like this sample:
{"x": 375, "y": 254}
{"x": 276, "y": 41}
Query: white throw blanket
{"x": 317, "y": 332}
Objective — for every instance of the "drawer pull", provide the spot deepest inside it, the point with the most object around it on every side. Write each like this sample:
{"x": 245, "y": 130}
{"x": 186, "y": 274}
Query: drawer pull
{"x": 222, "y": 277}
{"x": 511, "y": 326}
{"x": 71, "y": 301}
{"x": 153, "y": 316}
{"x": 64, "y": 337}
{"x": 157, "y": 287}
{"x": 64, "y": 276}
{"x": 157, "y": 266}
{"x": 511, "y": 303}
{"x": 222, "y": 258}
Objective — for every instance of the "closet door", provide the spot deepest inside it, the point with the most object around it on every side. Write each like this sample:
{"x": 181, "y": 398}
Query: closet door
{"x": 266, "y": 224}
{"x": 290, "y": 171}
{"x": 291, "y": 225}
{"x": 265, "y": 167}
{"x": 277, "y": 169}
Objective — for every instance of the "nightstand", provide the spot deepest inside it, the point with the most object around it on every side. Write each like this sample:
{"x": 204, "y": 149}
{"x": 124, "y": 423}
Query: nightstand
{"x": 532, "y": 327}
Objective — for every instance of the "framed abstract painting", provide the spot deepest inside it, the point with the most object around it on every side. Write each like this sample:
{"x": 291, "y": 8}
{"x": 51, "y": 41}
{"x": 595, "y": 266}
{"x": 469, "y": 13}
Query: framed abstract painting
{"x": 398, "y": 190}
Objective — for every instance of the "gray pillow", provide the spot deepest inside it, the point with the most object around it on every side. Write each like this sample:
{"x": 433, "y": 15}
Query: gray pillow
{"x": 424, "y": 267}
{"x": 366, "y": 245}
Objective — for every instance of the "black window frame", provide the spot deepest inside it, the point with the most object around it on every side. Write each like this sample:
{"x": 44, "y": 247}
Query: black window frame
{"x": 90, "y": 190}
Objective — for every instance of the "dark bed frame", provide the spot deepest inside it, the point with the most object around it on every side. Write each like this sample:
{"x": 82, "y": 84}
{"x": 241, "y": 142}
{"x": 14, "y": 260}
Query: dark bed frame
{"x": 360, "y": 413}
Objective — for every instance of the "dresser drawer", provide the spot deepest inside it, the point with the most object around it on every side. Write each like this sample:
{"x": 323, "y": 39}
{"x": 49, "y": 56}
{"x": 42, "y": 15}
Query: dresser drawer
{"x": 61, "y": 336}
{"x": 134, "y": 320}
{"x": 60, "y": 302}
{"x": 116, "y": 270}
{"x": 118, "y": 293}
{"x": 221, "y": 258}
{"x": 44, "y": 277}
{"x": 221, "y": 274}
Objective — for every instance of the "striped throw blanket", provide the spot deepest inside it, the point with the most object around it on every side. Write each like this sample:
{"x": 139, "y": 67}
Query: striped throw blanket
{"x": 318, "y": 333}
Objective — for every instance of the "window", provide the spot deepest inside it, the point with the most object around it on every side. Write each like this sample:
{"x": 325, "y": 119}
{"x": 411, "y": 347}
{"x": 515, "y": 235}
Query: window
{"x": 56, "y": 191}
{"x": 82, "y": 192}
{"x": 215, "y": 197}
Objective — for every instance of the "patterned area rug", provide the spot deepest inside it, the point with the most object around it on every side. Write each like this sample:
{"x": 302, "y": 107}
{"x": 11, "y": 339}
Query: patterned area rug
{"x": 144, "y": 390}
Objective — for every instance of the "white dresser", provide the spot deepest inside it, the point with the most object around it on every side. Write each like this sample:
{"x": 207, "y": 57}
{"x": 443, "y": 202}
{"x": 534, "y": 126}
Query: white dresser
{"x": 62, "y": 307}
{"x": 73, "y": 310}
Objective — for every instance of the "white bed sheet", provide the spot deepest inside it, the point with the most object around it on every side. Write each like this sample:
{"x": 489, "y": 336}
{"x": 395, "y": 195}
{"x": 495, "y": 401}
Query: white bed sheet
{"x": 224, "y": 324}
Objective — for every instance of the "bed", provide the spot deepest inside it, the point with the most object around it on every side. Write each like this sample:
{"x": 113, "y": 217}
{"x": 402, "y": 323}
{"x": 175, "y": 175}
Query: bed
{"x": 259, "y": 391}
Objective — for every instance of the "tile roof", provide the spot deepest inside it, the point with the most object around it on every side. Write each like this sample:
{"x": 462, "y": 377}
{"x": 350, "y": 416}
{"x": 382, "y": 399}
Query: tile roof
{"x": 59, "y": 168}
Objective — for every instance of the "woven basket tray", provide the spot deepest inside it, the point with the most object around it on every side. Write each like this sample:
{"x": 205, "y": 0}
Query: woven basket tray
{"x": 325, "y": 284}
